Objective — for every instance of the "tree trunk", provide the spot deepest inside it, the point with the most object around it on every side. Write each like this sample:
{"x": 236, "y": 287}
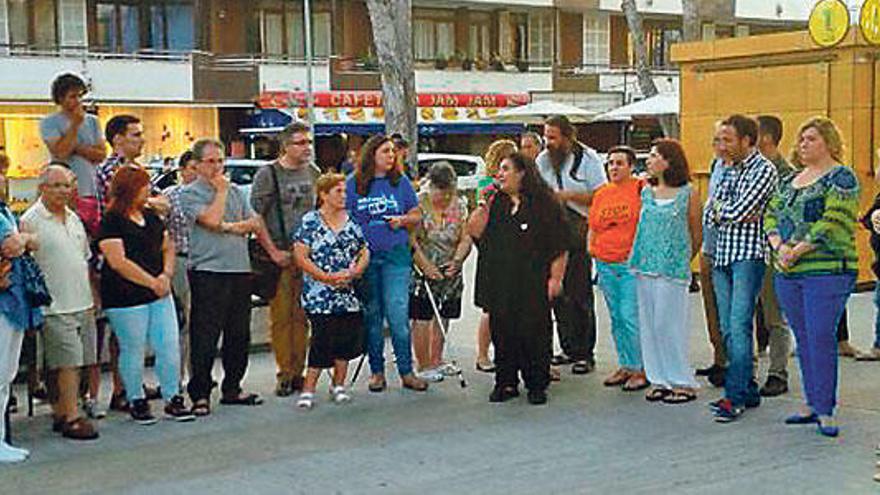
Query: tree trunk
{"x": 643, "y": 70}
{"x": 691, "y": 29}
{"x": 392, "y": 35}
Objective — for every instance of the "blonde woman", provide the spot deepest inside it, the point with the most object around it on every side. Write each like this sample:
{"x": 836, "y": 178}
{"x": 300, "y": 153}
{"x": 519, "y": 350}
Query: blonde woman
{"x": 810, "y": 224}
{"x": 496, "y": 152}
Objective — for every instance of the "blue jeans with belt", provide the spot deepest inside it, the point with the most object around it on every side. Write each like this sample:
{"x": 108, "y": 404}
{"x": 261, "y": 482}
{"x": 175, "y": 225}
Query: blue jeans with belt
{"x": 388, "y": 279}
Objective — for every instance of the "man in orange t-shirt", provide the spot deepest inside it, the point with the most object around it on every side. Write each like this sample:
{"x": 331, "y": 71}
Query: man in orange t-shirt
{"x": 613, "y": 217}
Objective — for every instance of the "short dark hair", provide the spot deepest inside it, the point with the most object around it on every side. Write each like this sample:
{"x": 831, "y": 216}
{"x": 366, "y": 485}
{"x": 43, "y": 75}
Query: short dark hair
{"x": 118, "y": 125}
{"x": 185, "y": 158}
{"x": 65, "y": 83}
{"x": 399, "y": 141}
{"x": 678, "y": 173}
{"x": 290, "y": 130}
{"x": 626, "y": 150}
{"x": 562, "y": 123}
{"x": 745, "y": 127}
{"x": 771, "y": 126}
{"x": 442, "y": 176}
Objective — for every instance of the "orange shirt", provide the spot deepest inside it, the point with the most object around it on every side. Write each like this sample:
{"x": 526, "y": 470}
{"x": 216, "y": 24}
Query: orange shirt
{"x": 614, "y": 216}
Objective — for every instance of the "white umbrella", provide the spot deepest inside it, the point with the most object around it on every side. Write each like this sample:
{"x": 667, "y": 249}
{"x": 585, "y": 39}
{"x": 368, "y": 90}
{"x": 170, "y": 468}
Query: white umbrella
{"x": 537, "y": 112}
{"x": 662, "y": 104}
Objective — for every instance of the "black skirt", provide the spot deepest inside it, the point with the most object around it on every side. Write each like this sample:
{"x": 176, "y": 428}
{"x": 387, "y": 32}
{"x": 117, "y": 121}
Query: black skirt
{"x": 335, "y": 337}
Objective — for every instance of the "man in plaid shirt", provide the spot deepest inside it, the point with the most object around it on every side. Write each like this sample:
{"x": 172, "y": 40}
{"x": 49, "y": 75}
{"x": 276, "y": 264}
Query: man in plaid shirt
{"x": 737, "y": 211}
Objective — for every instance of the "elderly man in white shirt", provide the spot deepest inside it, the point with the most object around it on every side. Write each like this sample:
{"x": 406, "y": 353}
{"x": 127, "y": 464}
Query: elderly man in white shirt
{"x": 69, "y": 331}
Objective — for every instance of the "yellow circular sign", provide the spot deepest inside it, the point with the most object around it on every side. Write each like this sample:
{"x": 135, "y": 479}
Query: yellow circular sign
{"x": 829, "y": 22}
{"x": 869, "y": 21}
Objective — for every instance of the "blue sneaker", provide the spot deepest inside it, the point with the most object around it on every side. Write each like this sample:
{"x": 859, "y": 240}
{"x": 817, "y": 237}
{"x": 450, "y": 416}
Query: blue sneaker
{"x": 827, "y": 430}
{"x": 727, "y": 412}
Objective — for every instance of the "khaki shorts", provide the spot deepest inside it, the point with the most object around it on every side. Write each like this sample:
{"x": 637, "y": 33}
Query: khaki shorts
{"x": 71, "y": 340}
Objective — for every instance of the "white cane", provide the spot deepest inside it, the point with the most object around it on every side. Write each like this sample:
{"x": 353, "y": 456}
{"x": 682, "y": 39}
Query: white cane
{"x": 443, "y": 327}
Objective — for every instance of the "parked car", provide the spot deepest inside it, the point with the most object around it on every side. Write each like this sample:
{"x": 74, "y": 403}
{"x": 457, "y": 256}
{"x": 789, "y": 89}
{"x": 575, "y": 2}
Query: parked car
{"x": 240, "y": 171}
{"x": 468, "y": 168}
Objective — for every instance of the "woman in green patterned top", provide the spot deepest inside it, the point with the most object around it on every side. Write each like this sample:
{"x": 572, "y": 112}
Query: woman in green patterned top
{"x": 810, "y": 225}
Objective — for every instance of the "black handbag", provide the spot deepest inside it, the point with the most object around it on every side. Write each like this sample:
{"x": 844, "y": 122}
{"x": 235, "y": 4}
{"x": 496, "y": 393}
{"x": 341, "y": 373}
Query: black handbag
{"x": 35, "y": 289}
{"x": 264, "y": 272}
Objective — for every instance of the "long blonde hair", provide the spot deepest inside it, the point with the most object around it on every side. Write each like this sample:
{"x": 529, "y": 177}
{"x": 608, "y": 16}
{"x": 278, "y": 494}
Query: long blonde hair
{"x": 496, "y": 152}
{"x": 830, "y": 134}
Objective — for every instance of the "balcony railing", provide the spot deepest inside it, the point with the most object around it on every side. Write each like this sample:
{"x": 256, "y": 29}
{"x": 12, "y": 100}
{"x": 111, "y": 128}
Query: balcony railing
{"x": 86, "y": 53}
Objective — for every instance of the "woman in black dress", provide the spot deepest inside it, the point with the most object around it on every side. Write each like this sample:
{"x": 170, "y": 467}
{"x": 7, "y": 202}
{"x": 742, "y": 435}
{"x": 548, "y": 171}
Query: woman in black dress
{"x": 525, "y": 244}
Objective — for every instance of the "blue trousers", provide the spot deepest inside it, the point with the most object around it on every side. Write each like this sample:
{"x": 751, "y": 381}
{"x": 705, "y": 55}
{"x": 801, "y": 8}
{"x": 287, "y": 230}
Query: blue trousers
{"x": 737, "y": 286}
{"x": 813, "y": 306}
{"x": 618, "y": 285}
{"x": 388, "y": 279}
{"x": 134, "y": 326}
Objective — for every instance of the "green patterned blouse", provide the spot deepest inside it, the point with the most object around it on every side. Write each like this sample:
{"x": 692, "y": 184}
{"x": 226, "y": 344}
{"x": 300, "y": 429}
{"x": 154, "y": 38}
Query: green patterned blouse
{"x": 823, "y": 214}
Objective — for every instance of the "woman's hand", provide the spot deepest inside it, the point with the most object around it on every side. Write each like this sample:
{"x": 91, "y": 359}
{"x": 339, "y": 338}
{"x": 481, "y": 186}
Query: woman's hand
{"x": 13, "y": 246}
{"x": 161, "y": 285}
{"x": 554, "y": 288}
{"x": 787, "y": 256}
{"x": 432, "y": 272}
{"x": 396, "y": 221}
{"x": 453, "y": 268}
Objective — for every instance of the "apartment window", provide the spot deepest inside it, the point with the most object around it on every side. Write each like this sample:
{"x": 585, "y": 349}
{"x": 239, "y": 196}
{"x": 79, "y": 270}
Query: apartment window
{"x": 17, "y": 11}
{"x": 72, "y": 23}
{"x": 282, "y": 29}
{"x": 540, "y": 38}
{"x": 478, "y": 39}
{"x": 658, "y": 41}
{"x": 597, "y": 48}
{"x": 433, "y": 34}
{"x": 129, "y": 26}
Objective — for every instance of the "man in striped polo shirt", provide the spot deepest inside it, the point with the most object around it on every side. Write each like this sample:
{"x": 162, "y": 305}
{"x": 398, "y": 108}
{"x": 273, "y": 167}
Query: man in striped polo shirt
{"x": 737, "y": 211}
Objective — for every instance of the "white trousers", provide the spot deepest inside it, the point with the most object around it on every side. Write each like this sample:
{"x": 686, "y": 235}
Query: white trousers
{"x": 10, "y": 351}
{"x": 665, "y": 331}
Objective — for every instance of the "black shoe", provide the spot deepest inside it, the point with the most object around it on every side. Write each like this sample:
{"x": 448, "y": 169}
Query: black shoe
{"x": 119, "y": 403}
{"x": 297, "y": 383}
{"x": 583, "y": 366}
{"x": 774, "y": 386}
{"x": 560, "y": 359}
{"x": 284, "y": 387}
{"x": 503, "y": 394}
{"x": 753, "y": 402}
{"x": 537, "y": 397}
{"x": 40, "y": 393}
{"x": 717, "y": 377}
{"x": 152, "y": 393}
{"x": 176, "y": 410}
{"x": 140, "y": 412}
{"x": 12, "y": 405}
{"x": 708, "y": 371}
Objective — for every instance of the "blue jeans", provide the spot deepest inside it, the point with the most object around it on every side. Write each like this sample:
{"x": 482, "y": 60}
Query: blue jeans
{"x": 619, "y": 288}
{"x": 134, "y": 326}
{"x": 736, "y": 292}
{"x": 813, "y": 306}
{"x": 388, "y": 280}
{"x": 877, "y": 318}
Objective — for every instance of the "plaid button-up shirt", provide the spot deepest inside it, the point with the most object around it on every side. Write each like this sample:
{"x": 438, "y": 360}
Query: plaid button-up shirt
{"x": 177, "y": 222}
{"x": 103, "y": 177}
{"x": 738, "y": 209}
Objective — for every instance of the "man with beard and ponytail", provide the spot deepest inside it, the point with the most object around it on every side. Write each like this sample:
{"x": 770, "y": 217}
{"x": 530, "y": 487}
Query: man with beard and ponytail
{"x": 573, "y": 171}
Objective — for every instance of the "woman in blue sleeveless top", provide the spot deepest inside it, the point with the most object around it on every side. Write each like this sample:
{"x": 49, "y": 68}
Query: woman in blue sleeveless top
{"x": 667, "y": 238}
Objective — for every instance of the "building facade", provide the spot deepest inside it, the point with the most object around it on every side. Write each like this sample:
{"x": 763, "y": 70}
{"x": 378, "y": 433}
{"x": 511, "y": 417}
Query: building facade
{"x": 195, "y": 67}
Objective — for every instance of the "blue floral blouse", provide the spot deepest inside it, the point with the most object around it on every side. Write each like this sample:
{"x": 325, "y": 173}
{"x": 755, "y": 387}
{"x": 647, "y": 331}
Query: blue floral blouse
{"x": 332, "y": 252}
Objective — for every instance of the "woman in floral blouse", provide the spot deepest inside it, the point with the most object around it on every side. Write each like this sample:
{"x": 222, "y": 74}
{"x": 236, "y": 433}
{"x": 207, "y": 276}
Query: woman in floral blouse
{"x": 332, "y": 251}
{"x": 440, "y": 247}
{"x": 810, "y": 225}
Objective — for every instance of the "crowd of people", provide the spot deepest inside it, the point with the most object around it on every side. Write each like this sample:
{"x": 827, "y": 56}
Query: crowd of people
{"x": 350, "y": 256}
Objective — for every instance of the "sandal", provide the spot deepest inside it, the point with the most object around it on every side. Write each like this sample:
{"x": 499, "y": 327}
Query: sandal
{"x": 377, "y": 383}
{"x": 79, "y": 429}
{"x": 680, "y": 397}
{"x": 412, "y": 382}
{"x": 487, "y": 367}
{"x": 636, "y": 382}
{"x": 306, "y": 400}
{"x": 242, "y": 400}
{"x": 657, "y": 394}
{"x": 201, "y": 407}
{"x": 617, "y": 378}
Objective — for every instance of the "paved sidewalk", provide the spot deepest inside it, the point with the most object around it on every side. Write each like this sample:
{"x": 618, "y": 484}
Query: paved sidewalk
{"x": 588, "y": 439}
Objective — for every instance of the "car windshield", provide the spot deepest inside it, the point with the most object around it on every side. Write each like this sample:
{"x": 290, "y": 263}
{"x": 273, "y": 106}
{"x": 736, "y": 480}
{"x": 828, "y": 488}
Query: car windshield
{"x": 241, "y": 174}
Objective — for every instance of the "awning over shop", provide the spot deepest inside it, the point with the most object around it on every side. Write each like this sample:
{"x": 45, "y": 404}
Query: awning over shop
{"x": 361, "y": 112}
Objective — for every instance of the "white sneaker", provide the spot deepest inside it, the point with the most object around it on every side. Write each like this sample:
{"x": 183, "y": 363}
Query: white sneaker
{"x": 339, "y": 394}
{"x": 431, "y": 375}
{"x": 306, "y": 400}
{"x": 449, "y": 369}
{"x": 10, "y": 454}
